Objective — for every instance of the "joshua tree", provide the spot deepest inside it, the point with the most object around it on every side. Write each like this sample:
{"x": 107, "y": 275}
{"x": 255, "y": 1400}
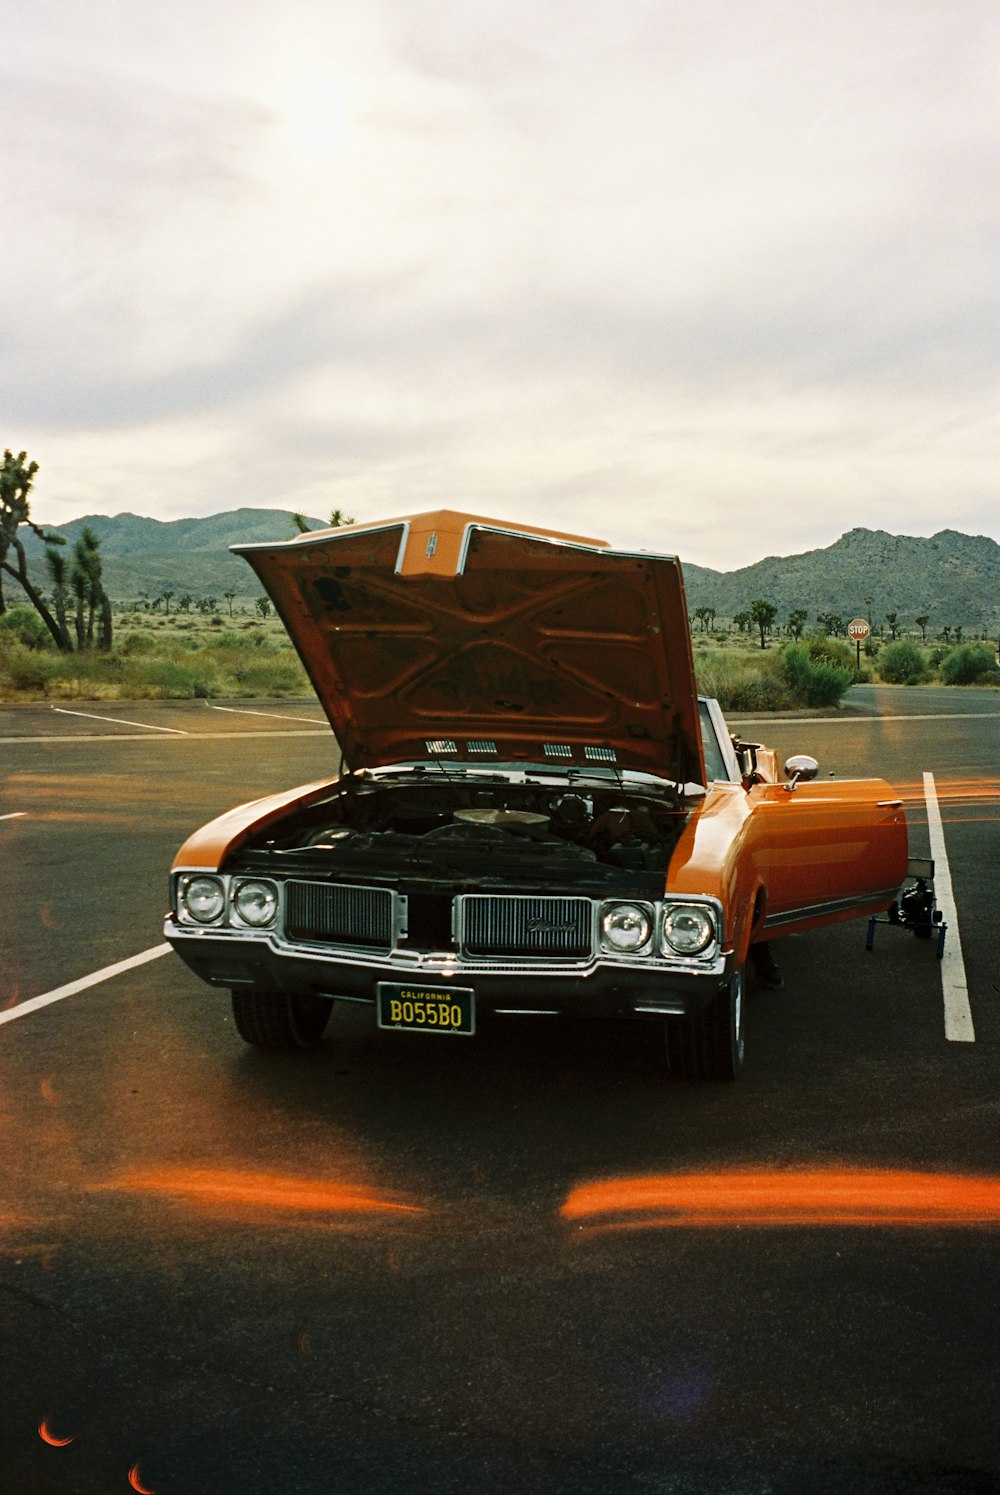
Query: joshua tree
{"x": 263, "y": 606}
{"x": 797, "y": 621}
{"x": 230, "y": 598}
{"x": 17, "y": 475}
{"x": 743, "y": 620}
{"x": 763, "y": 614}
{"x": 55, "y": 562}
{"x": 91, "y": 598}
{"x": 922, "y": 623}
{"x": 893, "y": 621}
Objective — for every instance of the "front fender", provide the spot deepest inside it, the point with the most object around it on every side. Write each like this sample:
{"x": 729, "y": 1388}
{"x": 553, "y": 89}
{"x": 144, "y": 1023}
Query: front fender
{"x": 208, "y": 847}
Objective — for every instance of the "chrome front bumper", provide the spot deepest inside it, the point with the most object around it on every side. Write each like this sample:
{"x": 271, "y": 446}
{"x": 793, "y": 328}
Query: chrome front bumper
{"x": 599, "y": 984}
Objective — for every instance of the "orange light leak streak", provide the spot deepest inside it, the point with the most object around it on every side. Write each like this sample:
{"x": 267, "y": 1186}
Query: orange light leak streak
{"x": 50, "y": 1438}
{"x": 824, "y": 1196}
{"x": 136, "y": 1482}
{"x": 955, "y": 794}
{"x": 231, "y": 1193}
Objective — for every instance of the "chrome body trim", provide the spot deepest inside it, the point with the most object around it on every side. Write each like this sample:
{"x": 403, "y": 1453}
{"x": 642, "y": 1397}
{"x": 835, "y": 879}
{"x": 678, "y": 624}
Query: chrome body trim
{"x": 409, "y": 964}
{"x": 323, "y": 536}
{"x": 400, "y": 959}
{"x": 834, "y": 906}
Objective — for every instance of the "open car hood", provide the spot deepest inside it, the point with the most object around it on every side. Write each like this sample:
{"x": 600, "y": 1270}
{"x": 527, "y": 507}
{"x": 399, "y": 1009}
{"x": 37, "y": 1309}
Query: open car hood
{"x": 445, "y": 635}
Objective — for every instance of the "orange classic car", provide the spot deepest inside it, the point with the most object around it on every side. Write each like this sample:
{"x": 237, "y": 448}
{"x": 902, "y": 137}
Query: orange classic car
{"x": 535, "y": 812}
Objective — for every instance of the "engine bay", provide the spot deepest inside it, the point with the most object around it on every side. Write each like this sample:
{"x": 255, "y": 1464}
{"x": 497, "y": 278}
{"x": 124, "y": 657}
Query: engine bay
{"x": 453, "y": 823}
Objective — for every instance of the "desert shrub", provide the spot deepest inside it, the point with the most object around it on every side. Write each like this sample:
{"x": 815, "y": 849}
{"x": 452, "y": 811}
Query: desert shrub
{"x": 228, "y": 640}
{"x": 24, "y": 624}
{"x": 138, "y": 643}
{"x": 755, "y": 691}
{"x": 170, "y": 679}
{"x": 814, "y": 680}
{"x": 267, "y": 677}
{"x": 970, "y": 664}
{"x": 831, "y": 650}
{"x": 742, "y": 682}
{"x": 216, "y": 620}
{"x": 903, "y": 663}
{"x": 25, "y": 669}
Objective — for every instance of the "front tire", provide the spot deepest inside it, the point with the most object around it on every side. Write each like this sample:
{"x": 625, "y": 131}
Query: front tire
{"x": 710, "y": 1046}
{"x": 278, "y": 1020}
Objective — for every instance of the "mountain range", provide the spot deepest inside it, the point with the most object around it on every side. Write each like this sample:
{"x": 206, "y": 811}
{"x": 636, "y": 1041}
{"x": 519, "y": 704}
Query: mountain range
{"x": 951, "y": 577}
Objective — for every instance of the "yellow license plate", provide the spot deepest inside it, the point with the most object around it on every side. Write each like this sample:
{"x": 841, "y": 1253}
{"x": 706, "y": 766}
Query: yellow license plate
{"x": 426, "y": 1009}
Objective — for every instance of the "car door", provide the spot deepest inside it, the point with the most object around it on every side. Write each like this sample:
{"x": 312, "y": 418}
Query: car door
{"x": 826, "y": 851}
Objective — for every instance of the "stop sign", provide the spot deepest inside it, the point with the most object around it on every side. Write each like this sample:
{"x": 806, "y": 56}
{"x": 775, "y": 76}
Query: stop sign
{"x": 858, "y": 629}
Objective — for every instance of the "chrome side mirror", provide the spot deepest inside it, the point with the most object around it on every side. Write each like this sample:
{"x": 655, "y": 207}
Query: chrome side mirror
{"x": 799, "y": 769}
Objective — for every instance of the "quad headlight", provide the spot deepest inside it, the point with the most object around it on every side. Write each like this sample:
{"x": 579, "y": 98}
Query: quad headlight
{"x": 688, "y": 929}
{"x": 202, "y": 899}
{"x": 626, "y": 928}
{"x": 256, "y": 902}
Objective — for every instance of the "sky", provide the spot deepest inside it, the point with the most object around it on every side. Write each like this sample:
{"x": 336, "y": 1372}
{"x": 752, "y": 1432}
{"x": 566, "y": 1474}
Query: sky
{"x": 712, "y": 277}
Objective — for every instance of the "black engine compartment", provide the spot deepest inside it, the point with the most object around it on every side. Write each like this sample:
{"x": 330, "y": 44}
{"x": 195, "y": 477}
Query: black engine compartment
{"x": 446, "y": 824}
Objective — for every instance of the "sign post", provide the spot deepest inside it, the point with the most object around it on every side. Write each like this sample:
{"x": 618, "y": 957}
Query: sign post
{"x": 858, "y": 630}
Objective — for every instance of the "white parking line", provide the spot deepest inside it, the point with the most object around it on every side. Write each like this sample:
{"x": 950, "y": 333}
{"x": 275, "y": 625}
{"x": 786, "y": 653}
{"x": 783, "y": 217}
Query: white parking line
{"x": 865, "y": 721}
{"x": 122, "y": 720}
{"x": 92, "y": 737}
{"x": 72, "y": 987}
{"x": 14, "y": 815}
{"x": 278, "y": 716}
{"x": 957, "y": 1012}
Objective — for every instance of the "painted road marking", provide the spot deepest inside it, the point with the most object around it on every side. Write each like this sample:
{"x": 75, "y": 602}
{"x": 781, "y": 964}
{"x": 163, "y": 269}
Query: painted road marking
{"x": 92, "y": 737}
{"x": 278, "y": 716}
{"x": 957, "y": 1012}
{"x": 63, "y": 711}
{"x": 847, "y": 721}
{"x": 72, "y": 987}
{"x": 14, "y": 815}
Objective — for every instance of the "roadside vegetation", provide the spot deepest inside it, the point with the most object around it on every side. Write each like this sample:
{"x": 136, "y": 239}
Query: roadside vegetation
{"x": 818, "y": 671}
{"x": 190, "y": 655}
{"x": 155, "y": 658}
{"x": 67, "y": 640}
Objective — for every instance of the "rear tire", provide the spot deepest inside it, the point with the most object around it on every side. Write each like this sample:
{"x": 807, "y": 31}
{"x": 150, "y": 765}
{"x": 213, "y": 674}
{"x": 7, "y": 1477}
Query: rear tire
{"x": 710, "y": 1046}
{"x": 278, "y": 1020}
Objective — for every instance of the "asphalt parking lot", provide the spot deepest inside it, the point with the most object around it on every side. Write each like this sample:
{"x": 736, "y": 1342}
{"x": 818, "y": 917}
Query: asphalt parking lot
{"x": 388, "y": 1266}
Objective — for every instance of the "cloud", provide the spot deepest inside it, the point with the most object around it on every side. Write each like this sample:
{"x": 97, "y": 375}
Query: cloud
{"x": 677, "y": 265}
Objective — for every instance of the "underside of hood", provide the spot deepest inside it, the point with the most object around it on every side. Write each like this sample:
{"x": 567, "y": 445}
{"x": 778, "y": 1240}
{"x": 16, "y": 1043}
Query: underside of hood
{"x": 445, "y": 635}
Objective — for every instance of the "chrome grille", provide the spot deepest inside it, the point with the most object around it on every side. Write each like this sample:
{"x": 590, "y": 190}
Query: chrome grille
{"x": 326, "y": 914}
{"x": 556, "y": 927}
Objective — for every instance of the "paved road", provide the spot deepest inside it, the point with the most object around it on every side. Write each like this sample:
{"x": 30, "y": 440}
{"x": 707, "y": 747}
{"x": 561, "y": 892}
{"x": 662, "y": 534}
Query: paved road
{"x": 377, "y": 1268}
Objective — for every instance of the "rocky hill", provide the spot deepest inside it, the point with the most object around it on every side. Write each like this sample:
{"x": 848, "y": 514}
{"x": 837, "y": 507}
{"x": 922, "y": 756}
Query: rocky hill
{"x": 143, "y": 555}
{"x": 951, "y": 577}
